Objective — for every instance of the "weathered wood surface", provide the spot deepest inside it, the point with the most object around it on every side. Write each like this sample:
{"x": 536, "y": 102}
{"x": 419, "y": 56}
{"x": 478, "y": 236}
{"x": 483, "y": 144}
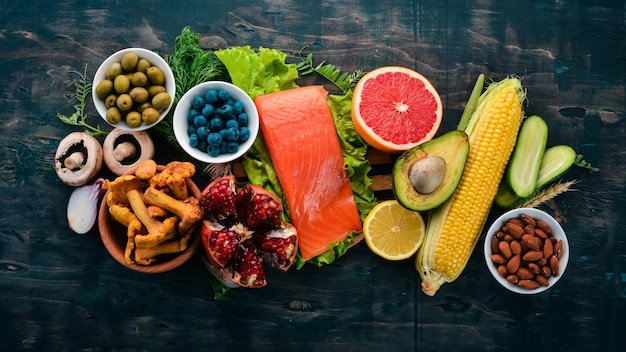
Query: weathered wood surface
{"x": 60, "y": 291}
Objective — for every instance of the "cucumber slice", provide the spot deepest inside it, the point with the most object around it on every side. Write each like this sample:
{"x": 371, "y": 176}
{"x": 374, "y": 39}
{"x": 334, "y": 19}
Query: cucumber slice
{"x": 525, "y": 162}
{"x": 557, "y": 160}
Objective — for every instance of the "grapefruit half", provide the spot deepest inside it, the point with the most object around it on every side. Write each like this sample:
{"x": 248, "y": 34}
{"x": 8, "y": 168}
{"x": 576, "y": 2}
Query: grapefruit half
{"x": 395, "y": 109}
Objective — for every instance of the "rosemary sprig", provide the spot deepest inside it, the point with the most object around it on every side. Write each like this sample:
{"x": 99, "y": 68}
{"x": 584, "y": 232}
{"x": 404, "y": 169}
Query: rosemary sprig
{"x": 79, "y": 118}
{"x": 344, "y": 81}
{"x": 549, "y": 193}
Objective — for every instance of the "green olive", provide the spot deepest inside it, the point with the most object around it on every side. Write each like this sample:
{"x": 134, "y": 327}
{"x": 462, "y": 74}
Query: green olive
{"x": 143, "y": 106}
{"x": 104, "y": 88}
{"x": 113, "y": 115}
{"x": 142, "y": 65}
{"x": 139, "y": 94}
{"x": 129, "y": 62}
{"x": 150, "y": 115}
{"x": 133, "y": 119}
{"x": 139, "y": 79}
{"x": 110, "y": 100}
{"x": 114, "y": 70}
{"x": 121, "y": 84}
{"x": 155, "y": 75}
{"x": 156, "y": 89}
{"x": 124, "y": 102}
{"x": 161, "y": 101}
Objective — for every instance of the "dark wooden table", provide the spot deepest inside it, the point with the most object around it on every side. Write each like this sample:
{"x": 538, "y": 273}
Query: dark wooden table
{"x": 63, "y": 292}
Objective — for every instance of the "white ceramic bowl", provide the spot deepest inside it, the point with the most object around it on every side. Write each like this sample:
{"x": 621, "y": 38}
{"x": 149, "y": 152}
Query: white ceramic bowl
{"x": 557, "y": 232}
{"x": 181, "y": 123}
{"x": 156, "y": 60}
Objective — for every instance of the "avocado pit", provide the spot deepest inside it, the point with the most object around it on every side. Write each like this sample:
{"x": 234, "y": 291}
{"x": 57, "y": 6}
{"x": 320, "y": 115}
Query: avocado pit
{"x": 427, "y": 174}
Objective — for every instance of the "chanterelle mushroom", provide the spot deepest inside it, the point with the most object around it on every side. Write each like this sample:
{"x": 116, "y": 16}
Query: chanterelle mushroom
{"x": 124, "y": 150}
{"x": 78, "y": 158}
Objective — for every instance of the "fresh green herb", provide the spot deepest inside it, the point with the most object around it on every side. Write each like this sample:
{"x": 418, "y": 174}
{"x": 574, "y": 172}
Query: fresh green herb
{"x": 584, "y": 164}
{"x": 137, "y": 331}
{"x": 79, "y": 118}
{"x": 191, "y": 65}
{"x": 344, "y": 81}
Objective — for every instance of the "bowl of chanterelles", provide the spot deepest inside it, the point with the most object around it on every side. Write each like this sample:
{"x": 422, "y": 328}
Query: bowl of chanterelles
{"x": 149, "y": 217}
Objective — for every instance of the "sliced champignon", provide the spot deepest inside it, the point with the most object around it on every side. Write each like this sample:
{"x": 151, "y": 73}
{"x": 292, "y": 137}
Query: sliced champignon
{"x": 78, "y": 158}
{"x": 124, "y": 150}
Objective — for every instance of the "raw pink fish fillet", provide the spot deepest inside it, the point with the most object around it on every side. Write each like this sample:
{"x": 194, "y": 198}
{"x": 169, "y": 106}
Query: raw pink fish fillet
{"x": 300, "y": 135}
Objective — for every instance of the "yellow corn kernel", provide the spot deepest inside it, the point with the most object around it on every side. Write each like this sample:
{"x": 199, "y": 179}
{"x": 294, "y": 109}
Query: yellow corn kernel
{"x": 455, "y": 226}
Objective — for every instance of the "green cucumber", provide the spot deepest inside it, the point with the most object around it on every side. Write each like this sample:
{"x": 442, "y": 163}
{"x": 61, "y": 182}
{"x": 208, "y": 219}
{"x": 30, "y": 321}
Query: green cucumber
{"x": 556, "y": 161}
{"x": 523, "y": 169}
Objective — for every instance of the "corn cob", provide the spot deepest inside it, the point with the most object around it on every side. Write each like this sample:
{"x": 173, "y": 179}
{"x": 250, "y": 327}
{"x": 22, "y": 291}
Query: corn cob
{"x": 455, "y": 226}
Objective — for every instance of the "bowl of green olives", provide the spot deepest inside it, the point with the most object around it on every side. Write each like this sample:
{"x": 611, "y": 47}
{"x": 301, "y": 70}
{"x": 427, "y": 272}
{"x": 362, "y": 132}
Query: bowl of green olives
{"x": 216, "y": 122}
{"x": 133, "y": 89}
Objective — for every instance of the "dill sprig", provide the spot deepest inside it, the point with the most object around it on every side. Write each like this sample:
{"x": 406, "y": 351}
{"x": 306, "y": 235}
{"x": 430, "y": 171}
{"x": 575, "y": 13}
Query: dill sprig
{"x": 191, "y": 65}
{"x": 548, "y": 193}
{"x": 79, "y": 118}
{"x": 344, "y": 81}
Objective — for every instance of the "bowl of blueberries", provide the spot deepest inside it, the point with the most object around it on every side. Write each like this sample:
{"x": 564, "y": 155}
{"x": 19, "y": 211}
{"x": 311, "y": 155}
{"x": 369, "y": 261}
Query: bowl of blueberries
{"x": 216, "y": 122}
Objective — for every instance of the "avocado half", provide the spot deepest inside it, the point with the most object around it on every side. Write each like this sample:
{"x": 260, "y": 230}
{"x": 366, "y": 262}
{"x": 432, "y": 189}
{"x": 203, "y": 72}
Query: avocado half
{"x": 453, "y": 148}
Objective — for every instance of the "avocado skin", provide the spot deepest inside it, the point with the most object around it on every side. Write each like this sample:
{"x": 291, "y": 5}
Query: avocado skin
{"x": 453, "y": 147}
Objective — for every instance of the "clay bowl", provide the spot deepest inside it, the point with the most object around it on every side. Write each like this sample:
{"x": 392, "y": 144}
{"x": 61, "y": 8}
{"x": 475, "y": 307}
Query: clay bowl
{"x": 114, "y": 238}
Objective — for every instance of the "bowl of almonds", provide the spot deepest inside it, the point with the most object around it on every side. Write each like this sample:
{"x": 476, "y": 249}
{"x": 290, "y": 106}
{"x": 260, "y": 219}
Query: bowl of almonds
{"x": 526, "y": 250}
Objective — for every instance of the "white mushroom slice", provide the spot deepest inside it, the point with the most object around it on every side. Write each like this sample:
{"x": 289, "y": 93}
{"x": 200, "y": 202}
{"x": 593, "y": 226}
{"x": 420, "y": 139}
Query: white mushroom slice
{"x": 124, "y": 150}
{"x": 78, "y": 159}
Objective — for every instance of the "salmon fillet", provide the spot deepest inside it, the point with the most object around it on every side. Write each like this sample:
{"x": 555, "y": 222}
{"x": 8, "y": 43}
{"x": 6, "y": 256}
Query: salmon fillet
{"x": 300, "y": 135}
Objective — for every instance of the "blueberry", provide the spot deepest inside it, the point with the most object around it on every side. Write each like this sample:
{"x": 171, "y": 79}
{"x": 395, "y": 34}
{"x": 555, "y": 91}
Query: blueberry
{"x": 197, "y": 102}
{"x": 232, "y": 147}
{"x": 244, "y": 134}
{"x": 191, "y": 129}
{"x": 242, "y": 119}
{"x": 213, "y": 150}
{"x": 233, "y": 134}
{"x": 199, "y": 120}
{"x": 225, "y": 112}
{"x": 192, "y": 113}
{"x": 223, "y": 95}
{"x": 203, "y": 145}
{"x": 224, "y": 147}
{"x": 193, "y": 140}
{"x": 211, "y": 96}
{"x": 237, "y": 107}
{"x": 208, "y": 110}
{"x": 203, "y": 132}
{"x": 214, "y": 139}
{"x": 232, "y": 123}
{"x": 216, "y": 124}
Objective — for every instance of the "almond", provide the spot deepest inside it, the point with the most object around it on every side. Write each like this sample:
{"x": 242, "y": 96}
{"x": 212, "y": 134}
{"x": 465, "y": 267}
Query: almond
{"x": 498, "y": 259}
{"x": 494, "y": 245}
{"x": 548, "y": 249}
{"x": 531, "y": 242}
{"x": 513, "y": 265}
{"x": 542, "y": 280}
{"x": 529, "y": 230}
{"x": 546, "y": 271}
{"x": 515, "y": 221}
{"x": 528, "y": 284}
{"x": 554, "y": 265}
{"x": 502, "y": 270}
{"x": 558, "y": 248}
{"x": 534, "y": 268}
{"x": 540, "y": 233}
{"x": 524, "y": 273}
{"x": 505, "y": 249}
{"x": 544, "y": 227}
{"x": 512, "y": 279}
{"x": 542, "y": 261}
{"x": 528, "y": 220}
{"x": 516, "y": 247}
{"x": 532, "y": 256}
{"x": 515, "y": 230}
